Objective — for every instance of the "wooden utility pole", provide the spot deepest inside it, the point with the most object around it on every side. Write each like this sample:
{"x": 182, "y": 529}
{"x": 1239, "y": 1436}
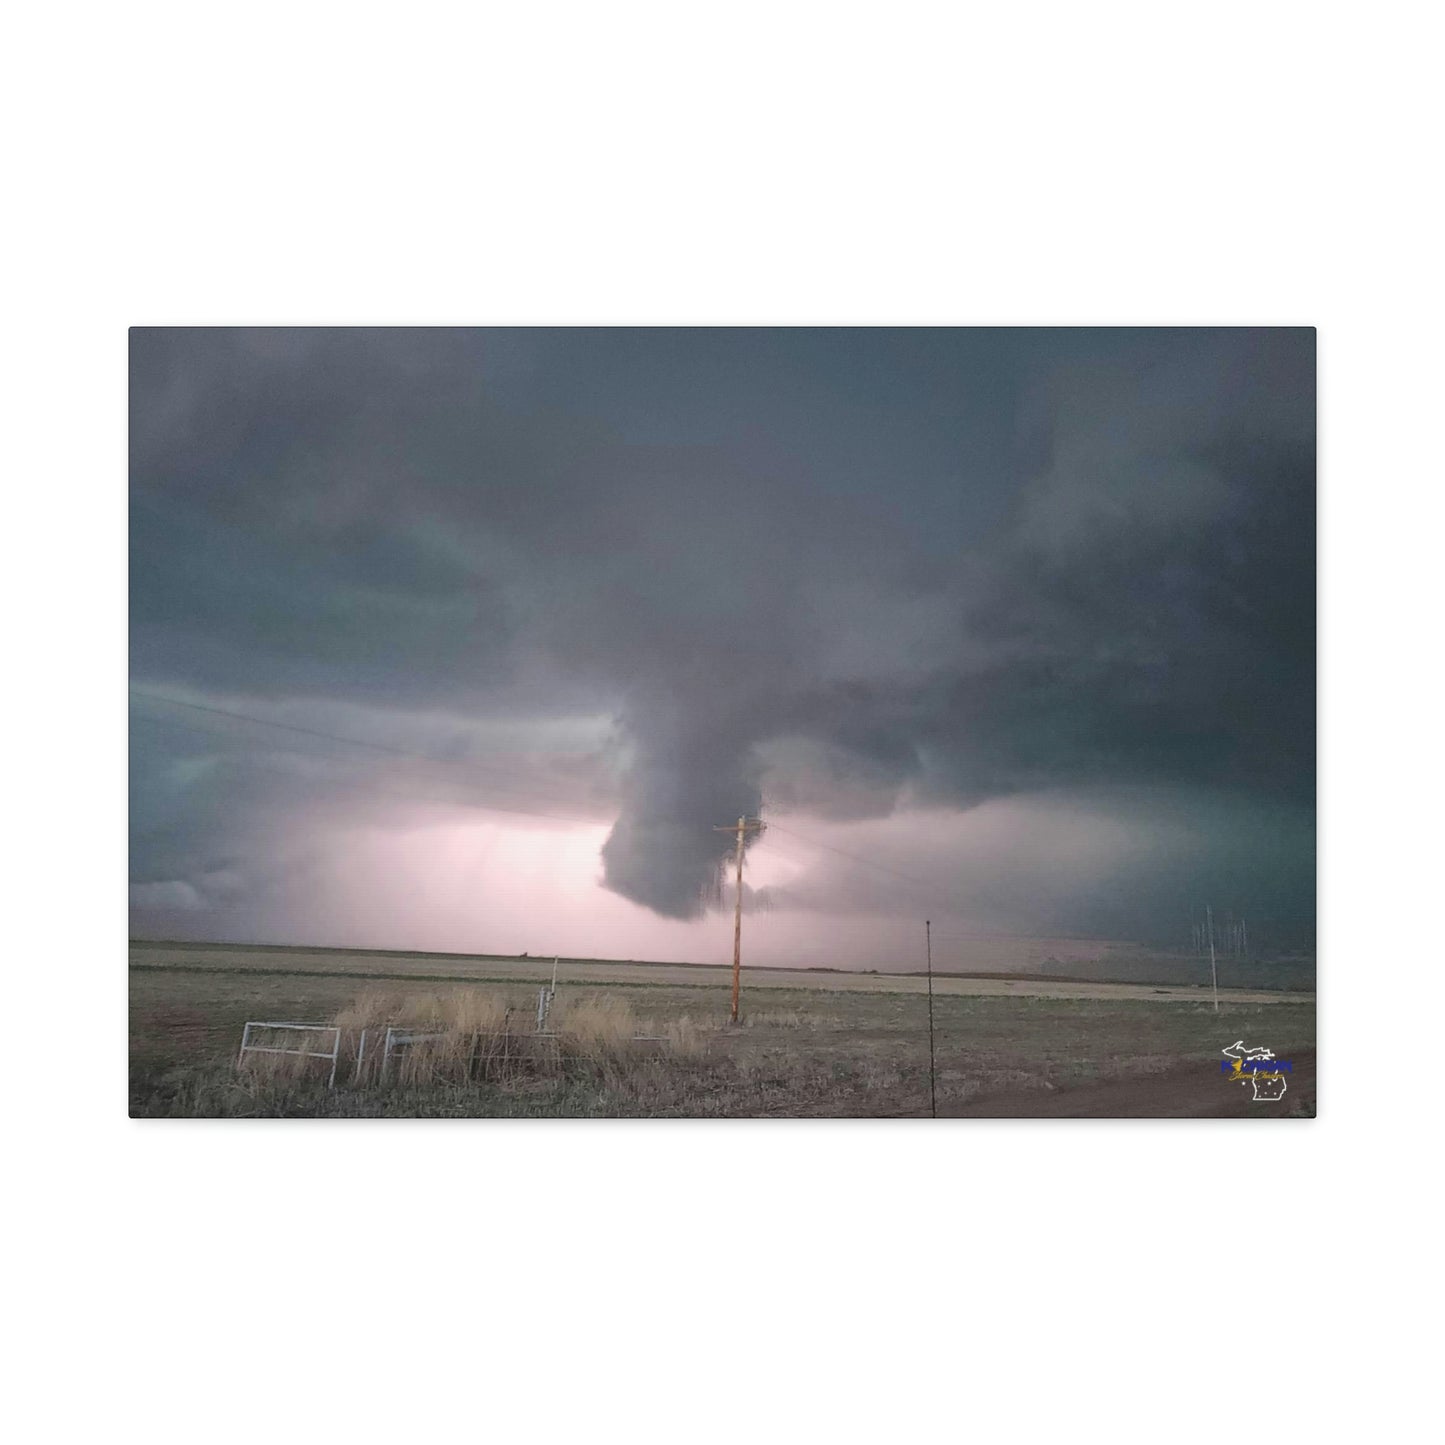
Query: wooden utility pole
{"x": 928, "y": 943}
{"x": 742, "y": 827}
{"x": 1213, "y": 968}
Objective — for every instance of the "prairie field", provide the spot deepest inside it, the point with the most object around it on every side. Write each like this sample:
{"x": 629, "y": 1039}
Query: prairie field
{"x": 628, "y": 1039}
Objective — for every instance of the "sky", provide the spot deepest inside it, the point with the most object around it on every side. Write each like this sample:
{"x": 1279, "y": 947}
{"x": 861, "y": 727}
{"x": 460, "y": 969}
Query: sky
{"x": 470, "y": 640}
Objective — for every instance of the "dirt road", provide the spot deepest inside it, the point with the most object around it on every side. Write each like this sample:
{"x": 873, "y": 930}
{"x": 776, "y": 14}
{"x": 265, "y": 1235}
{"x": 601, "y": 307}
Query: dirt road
{"x": 1192, "y": 1091}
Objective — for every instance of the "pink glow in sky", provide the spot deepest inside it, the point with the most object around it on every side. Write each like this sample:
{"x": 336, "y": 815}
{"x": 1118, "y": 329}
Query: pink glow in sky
{"x": 455, "y": 880}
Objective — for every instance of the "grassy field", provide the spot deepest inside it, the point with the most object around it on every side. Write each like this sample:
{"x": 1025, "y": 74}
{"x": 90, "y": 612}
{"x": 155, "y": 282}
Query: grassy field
{"x": 499, "y": 968}
{"x": 810, "y": 1044}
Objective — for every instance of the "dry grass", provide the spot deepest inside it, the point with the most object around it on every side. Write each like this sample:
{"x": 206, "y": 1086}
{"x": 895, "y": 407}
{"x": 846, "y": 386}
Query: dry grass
{"x": 368, "y": 1010}
{"x": 307, "y": 1056}
{"x": 686, "y": 1037}
{"x": 593, "y": 1022}
{"x": 777, "y": 1019}
{"x": 845, "y": 1053}
{"x": 466, "y": 1036}
{"x": 453, "y": 1036}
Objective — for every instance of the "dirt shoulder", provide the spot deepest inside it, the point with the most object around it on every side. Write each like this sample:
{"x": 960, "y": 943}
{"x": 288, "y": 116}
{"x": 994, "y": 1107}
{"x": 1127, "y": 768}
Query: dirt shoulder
{"x": 1186, "y": 1091}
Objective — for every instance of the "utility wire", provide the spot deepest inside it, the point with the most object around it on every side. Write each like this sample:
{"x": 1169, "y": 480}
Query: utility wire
{"x": 383, "y": 748}
{"x": 270, "y": 723}
{"x": 856, "y": 857}
{"x": 925, "y": 888}
{"x": 270, "y": 763}
{"x": 284, "y": 727}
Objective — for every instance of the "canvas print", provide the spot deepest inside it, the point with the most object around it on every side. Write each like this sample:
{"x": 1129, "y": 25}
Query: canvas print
{"x": 722, "y": 722}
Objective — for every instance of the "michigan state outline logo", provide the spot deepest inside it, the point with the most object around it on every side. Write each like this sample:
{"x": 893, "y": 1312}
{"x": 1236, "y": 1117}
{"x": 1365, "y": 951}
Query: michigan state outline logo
{"x": 1258, "y": 1068}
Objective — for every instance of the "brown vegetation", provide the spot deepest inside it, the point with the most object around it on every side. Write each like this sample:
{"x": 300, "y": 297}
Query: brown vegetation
{"x": 668, "y": 1051}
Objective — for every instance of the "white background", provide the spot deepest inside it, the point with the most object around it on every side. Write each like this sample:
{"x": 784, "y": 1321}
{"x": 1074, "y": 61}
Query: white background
{"x": 780, "y": 163}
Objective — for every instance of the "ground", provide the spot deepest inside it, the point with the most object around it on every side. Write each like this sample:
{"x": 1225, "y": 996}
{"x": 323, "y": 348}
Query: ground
{"x": 810, "y": 1044}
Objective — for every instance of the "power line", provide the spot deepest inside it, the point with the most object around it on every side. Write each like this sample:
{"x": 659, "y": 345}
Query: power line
{"x": 285, "y": 727}
{"x": 376, "y": 784}
{"x": 929, "y": 888}
{"x": 924, "y": 888}
{"x": 384, "y": 748}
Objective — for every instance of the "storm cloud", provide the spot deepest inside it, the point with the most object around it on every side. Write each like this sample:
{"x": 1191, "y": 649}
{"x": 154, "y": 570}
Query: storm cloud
{"x": 655, "y": 579}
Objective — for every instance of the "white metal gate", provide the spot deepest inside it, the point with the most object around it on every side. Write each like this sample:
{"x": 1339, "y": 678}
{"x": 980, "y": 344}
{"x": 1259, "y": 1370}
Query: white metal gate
{"x": 334, "y": 1053}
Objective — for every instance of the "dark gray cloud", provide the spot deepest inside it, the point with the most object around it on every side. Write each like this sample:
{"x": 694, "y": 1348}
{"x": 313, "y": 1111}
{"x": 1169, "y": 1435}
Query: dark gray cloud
{"x": 843, "y": 571}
